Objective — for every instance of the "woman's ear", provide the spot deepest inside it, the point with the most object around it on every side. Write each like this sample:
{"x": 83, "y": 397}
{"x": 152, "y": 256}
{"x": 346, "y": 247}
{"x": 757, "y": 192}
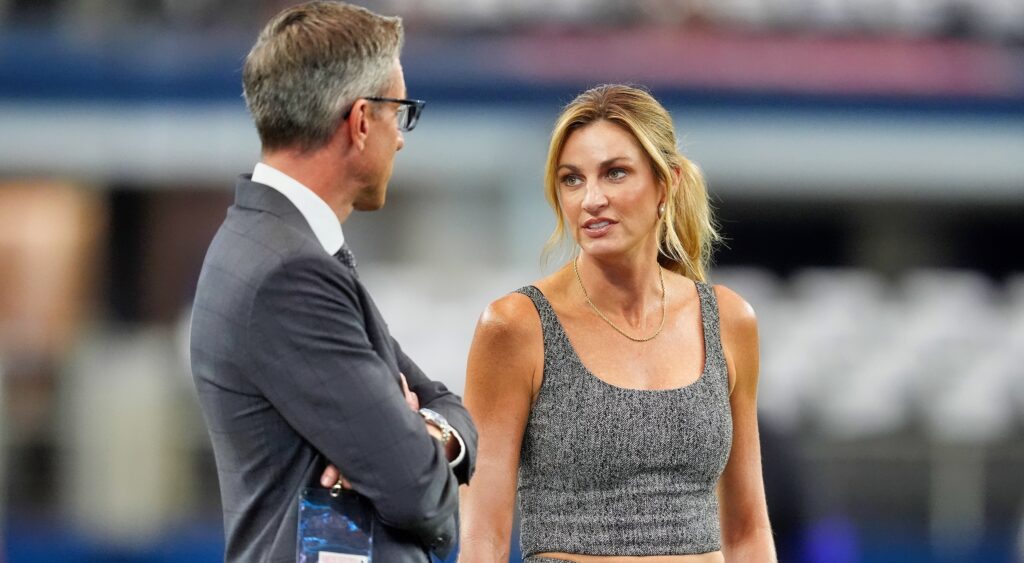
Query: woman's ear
{"x": 677, "y": 174}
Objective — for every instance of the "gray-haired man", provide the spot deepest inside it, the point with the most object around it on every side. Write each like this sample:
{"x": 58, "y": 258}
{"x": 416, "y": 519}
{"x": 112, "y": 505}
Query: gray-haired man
{"x": 294, "y": 365}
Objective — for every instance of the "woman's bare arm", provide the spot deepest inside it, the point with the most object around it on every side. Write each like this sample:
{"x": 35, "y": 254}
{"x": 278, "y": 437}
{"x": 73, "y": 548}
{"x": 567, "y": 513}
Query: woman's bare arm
{"x": 746, "y": 532}
{"x": 506, "y": 361}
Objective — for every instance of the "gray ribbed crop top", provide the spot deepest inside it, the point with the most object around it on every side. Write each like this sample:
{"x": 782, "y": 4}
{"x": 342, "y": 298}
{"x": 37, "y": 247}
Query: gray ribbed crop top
{"x": 606, "y": 470}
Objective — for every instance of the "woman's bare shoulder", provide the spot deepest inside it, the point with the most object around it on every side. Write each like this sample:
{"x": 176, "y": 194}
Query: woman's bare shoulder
{"x": 512, "y": 313}
{"x": 508, "y": 346}
{"x": 514, "y": 316}
{"x": 734, "y": 312}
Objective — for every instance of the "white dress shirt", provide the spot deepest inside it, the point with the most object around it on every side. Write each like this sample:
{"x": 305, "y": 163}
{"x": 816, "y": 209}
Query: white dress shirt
{"x": 315, "y": 211}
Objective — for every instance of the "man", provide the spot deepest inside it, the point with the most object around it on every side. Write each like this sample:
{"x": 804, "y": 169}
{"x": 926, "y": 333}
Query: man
{"x": 294, "y": 365}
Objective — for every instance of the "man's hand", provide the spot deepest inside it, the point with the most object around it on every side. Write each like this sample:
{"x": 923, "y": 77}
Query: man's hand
{"x": 452, "y": 448}
{"x": 332, "y": 477}
{"x": 411, "y": 398}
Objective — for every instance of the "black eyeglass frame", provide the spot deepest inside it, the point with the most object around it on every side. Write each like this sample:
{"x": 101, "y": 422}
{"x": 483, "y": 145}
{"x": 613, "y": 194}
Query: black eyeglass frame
{"x": 411, "y": 109}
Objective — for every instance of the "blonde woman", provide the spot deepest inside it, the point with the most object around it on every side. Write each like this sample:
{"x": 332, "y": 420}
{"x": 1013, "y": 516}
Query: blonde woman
{"x": 622, "y": 388}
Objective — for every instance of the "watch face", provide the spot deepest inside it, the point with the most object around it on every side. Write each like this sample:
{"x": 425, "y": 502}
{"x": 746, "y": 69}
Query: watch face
{"x": 434, "y": 416}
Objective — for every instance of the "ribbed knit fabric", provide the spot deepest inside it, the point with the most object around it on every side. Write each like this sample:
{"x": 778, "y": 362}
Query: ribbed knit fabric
{"x": 606, "y": 470}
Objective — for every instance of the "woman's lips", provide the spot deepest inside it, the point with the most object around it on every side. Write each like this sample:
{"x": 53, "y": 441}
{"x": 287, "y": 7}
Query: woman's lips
{"x": 597, "y": 229}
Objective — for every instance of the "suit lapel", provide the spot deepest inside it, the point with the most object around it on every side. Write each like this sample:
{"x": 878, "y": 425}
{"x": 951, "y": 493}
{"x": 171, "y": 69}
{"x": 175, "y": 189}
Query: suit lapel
{"x": 260, "y": 197}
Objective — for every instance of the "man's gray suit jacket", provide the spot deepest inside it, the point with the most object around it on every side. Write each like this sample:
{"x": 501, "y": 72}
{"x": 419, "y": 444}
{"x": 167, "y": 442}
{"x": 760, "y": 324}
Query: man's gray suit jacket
{"x": 295, "y": 368}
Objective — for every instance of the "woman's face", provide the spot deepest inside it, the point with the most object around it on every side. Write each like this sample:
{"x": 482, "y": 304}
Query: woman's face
{"x": 608, "y": 191}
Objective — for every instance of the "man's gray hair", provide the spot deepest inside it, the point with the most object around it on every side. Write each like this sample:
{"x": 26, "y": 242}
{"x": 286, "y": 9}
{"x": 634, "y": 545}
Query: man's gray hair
{"x": 310, "y": 64}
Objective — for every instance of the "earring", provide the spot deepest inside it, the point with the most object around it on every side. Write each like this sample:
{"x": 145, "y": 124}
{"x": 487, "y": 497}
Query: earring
{"x": 661, "y": 210}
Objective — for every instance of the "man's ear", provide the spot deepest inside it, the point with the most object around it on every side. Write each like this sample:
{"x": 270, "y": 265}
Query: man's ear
{"x": 358, "y": 123}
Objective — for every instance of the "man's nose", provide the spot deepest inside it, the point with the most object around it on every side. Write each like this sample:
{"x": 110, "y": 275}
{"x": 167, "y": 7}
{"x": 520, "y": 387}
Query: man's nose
{"x": 401, "y": 141}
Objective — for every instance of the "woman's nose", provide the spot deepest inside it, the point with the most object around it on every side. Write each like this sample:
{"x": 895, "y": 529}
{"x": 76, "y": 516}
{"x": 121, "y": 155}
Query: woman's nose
{"x": 594, "y": 198}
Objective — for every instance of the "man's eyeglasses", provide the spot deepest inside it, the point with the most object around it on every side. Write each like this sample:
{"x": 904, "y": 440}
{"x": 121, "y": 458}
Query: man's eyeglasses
{"x": 408, "y": 111}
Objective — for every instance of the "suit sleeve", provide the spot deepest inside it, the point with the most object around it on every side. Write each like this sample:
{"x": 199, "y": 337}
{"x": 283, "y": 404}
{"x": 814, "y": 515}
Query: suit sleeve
{"x": 435, "y": 396}
{"x": 312, "y": 359}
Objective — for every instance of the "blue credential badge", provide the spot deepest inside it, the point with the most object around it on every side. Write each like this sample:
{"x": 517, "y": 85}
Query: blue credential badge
{"x": 334, "y": 529}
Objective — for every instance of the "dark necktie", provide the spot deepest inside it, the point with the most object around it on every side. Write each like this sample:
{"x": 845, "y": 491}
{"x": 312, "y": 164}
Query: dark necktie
{"x": 345, "y": 256}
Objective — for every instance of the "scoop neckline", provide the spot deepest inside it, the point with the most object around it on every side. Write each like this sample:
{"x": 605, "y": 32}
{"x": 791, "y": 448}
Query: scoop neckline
{"x": 579, "y": 361}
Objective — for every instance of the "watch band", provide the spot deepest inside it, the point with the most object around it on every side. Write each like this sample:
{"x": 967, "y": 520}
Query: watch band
{"x": 437, "y": 420}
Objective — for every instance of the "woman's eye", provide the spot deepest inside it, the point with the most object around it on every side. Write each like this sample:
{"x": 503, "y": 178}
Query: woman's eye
{"x": 616, "y": 174}
{"x": 571, "y": 180}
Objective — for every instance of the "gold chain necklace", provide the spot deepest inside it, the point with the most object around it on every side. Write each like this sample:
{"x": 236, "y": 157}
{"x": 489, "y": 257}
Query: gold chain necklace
{"x": 661, "y": 273}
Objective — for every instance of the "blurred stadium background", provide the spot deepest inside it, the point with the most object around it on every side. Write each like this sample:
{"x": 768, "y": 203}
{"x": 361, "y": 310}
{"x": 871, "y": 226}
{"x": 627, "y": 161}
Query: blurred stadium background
{"x": 866, "y": 158}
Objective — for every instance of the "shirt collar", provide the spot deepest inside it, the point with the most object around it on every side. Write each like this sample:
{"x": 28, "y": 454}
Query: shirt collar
{"x": 315, "y": 211}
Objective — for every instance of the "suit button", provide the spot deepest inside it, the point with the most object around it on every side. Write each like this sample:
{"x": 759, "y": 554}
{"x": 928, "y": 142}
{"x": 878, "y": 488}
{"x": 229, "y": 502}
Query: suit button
{"x": 439, "y": 540}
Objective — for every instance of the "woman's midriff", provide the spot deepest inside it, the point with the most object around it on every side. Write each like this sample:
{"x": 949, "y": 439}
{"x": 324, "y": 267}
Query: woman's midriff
{"x": 713, "y": 557}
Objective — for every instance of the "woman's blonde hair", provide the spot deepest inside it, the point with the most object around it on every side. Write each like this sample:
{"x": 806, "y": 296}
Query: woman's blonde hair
{"x": 686, "y": 230}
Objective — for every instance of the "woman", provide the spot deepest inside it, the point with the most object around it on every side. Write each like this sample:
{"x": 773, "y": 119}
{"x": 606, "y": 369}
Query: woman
{"x": 622, "y": 387}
